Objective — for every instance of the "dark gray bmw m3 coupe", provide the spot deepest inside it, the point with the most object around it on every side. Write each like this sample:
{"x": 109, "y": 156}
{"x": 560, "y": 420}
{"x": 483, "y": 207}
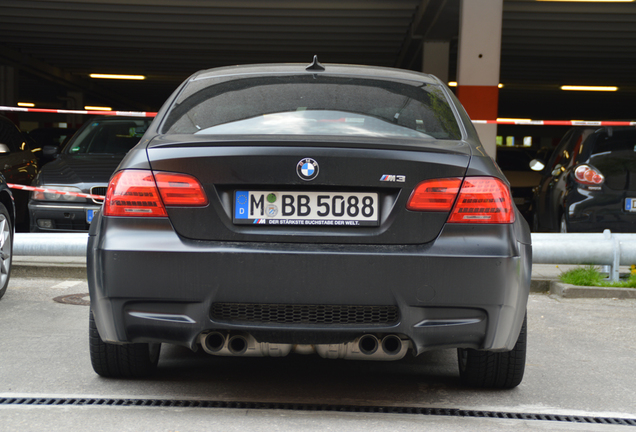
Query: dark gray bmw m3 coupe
{"x": 345, "y": 211}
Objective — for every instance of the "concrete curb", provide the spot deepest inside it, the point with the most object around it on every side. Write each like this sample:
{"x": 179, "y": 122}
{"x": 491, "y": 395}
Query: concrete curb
{"x": 49, "y": 270}
{"x": 574, "y": 291}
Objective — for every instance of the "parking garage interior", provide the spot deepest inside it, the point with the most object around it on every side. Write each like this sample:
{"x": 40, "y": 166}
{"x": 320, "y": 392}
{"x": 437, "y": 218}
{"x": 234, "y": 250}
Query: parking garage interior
{"x": 48, "y": 49}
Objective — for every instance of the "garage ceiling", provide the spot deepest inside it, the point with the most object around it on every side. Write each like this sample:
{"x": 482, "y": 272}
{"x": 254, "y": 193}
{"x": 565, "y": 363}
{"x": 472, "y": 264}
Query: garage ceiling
{"x": 56, "y": 44}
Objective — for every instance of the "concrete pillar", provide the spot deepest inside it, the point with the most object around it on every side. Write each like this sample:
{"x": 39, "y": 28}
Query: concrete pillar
{"x": 435, "y": 59}
{"x": 8, "y": 86}
{"x": 478, "y": 64}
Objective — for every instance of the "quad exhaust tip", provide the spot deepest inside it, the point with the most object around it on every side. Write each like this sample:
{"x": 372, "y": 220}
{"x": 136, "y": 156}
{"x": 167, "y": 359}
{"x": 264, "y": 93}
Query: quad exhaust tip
{"x": 391, "y": 345}
{"x": 368, "y": 344}
{"x": 366, "y": 347}
{"x": 237, "y": 345}
{"x": 214, "y": 342}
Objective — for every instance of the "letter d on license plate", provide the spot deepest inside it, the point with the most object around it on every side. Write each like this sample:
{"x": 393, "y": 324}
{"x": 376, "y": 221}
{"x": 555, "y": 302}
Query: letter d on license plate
{"x": 306, "y": 208}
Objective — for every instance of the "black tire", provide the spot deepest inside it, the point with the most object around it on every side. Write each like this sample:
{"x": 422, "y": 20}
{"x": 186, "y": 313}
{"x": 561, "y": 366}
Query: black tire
{"x": 500, "y": 370}
{"x": 6, "y": 248}
{"x": 136, "y": 360}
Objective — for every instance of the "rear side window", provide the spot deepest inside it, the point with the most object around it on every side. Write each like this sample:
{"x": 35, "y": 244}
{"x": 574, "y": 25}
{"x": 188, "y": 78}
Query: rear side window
{"x": 613, "y": 140}
{"x": 313, "y": 104}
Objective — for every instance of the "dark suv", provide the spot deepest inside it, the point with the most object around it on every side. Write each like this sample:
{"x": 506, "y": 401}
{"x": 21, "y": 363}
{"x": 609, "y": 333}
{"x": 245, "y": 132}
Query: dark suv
{"x": 589, "y": 183}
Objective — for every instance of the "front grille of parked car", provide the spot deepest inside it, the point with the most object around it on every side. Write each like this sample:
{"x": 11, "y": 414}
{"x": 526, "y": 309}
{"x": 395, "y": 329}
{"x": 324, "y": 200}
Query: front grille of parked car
{"x": 98, "y": 190}
{"x": 304, "y": 314}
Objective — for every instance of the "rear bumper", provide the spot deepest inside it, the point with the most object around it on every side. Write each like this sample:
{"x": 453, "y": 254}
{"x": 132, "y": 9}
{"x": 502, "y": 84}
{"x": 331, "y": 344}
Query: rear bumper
{"x": 468, "y": 289}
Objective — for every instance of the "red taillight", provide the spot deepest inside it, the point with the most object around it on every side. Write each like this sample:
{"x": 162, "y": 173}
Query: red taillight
{"x": 434, "y": 195}
{"x": 483, "y": 200}
{"x": 134, "y": 193}
{"x": 588, "y": 175}
{"x": 480, "y": 199}
{"x": 180, "y": 190}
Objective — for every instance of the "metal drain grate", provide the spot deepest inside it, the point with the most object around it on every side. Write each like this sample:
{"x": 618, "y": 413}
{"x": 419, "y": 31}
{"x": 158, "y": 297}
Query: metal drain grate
{"x": 446, "y": 412}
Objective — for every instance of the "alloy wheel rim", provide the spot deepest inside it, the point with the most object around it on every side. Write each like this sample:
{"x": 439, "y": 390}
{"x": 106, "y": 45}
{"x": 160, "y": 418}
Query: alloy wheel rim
{"x": 5, "y": 249}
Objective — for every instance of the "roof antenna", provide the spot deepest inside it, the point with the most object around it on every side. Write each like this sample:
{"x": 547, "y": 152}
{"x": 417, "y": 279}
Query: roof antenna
{"x": 315, "y": 66}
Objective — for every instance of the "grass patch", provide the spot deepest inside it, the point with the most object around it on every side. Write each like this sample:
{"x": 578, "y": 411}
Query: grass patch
{"x": 590, "y": 275}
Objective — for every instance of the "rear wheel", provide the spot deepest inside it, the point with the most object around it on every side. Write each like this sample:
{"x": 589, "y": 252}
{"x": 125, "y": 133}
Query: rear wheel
{"x": 6, "y": 248}
{"x": 487, "y": 369}
{"x": 136, "y": 360}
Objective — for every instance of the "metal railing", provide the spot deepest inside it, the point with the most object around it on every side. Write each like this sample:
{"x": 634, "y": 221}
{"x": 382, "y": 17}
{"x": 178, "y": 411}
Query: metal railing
{"x": 605, "y": 248}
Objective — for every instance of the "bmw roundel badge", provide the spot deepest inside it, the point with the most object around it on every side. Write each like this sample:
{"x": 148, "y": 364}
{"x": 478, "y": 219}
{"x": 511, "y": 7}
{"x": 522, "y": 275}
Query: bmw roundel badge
{"x": 307, "y": 169}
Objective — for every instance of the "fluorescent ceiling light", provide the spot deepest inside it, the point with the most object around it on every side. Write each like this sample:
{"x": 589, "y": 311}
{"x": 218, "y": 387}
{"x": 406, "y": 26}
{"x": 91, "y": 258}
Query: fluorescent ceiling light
{"x": 589, "y": 88}
{"x": 122, "y": 77}
{"x": 26, "y": 104}
{"x": 97, "y": 108}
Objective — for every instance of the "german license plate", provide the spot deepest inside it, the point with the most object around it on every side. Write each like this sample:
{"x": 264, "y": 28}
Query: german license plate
{"x": 89, "y": 215}
{"x": 630, "y": 204}
{"x": 306, "y": 208}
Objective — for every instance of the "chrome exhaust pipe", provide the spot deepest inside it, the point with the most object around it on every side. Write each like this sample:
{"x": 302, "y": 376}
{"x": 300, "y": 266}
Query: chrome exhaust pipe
{"x": 214, "y": 342}
{"x": 366, "y": 347}
{"x": 368, "y": 344}
{"x": 223, "y": 344}
{"x": 391, "y": 345}
{"x": 237, "y": 345}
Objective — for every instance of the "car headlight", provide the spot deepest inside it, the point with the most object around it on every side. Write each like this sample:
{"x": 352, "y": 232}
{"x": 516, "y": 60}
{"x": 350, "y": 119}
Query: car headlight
{"x": 52, "y": 196}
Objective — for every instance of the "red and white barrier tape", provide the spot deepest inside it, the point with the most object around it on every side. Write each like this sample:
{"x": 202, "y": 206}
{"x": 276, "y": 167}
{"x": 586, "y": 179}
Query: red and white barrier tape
{"x": 37, "y": 189}
{"x": 557, "y": 122}
{"x": 62, "y": 111}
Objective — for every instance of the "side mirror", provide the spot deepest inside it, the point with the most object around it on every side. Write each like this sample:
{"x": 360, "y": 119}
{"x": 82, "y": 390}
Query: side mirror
{"x": 558, "y": 170}
{"x": 537, "y": 165}
{"x": 4, "y": 148}
{"x": 50, "y": 151}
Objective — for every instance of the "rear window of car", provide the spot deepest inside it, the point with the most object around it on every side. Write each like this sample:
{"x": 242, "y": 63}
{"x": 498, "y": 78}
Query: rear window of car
{"x": 312, "y": 104}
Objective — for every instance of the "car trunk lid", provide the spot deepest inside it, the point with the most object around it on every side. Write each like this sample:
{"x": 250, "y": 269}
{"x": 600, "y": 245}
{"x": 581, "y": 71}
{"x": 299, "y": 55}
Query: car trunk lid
{"x": 388, "y": 173}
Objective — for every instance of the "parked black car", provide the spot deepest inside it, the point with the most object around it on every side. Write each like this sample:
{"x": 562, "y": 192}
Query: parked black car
{"x": 85, "y": 165}
{"x": 589, "y": 183}
{"x": 18, "y": 165}
{"x": 347, "y": 211}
